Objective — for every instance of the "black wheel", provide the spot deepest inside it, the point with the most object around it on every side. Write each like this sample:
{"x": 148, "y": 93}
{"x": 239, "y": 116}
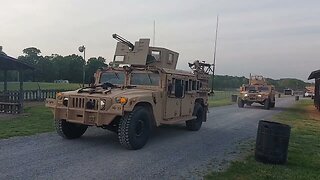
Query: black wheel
{"x": 249, "y": 104}
{"x": 267, "y": 104}
{"x": 70, "y": 130}
{"x": 134, "y": 128}
{"x": 195, "y": 124}
{"x": 240, "y": 103}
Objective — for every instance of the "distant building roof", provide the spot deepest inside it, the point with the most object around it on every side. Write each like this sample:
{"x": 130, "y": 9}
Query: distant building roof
{"x": 10, "y": 63}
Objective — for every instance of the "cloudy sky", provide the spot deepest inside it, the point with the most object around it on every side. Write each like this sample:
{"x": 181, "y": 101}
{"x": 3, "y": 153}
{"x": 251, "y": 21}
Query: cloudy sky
{"x": 275, "y": 38}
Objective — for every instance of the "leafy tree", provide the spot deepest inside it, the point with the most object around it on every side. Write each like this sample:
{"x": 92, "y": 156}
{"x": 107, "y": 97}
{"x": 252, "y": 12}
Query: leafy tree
{"x": 32, "y": 57}
{"x": 72, "y": 68}
{"x": 92, "y": 66}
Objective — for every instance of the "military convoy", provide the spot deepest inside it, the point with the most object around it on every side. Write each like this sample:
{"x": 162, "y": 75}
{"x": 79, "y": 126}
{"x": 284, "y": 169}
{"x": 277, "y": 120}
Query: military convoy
{"x": 257, "y": 91}
{"x": 140, "y": 90}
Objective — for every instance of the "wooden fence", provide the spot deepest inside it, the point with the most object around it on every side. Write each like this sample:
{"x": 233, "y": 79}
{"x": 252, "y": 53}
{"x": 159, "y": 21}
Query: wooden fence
{"x": 10, "y": 101}
{"x": 32, "y": 95}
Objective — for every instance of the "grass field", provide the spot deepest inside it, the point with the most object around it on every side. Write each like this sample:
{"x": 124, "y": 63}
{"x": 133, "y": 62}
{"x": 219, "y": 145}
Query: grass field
{"x": 221, "y": 98}
{"x": 42, "y": 85}
{"x": 37, "y": 119}
{"x": 303, "y": 154}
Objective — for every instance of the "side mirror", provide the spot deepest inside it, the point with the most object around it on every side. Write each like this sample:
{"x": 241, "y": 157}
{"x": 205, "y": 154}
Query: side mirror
{"x": 178, "y": 91}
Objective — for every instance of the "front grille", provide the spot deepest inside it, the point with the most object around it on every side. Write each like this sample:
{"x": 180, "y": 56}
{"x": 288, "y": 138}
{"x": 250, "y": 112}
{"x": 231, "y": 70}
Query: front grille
{"x": 77, "y": 102}
{"x": 83, "y": 103}
{"x": 252, "y": 97}
{"x": 92, "y": 104}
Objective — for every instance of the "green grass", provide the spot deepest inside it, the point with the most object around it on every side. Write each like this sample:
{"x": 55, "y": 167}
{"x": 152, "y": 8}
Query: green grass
{"x": 37, "y": 119}
{"x": 221, "y": 98}
{"x": 34, "y": 86}
{"x": 303, "y": 153}
{"x": 220, "y": 102}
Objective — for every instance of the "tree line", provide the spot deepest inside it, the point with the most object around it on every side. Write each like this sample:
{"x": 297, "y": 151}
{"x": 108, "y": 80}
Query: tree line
{"x": 70, "y": 67}
{"x": 56, "y": 67}
{"x": 234, "y": 82}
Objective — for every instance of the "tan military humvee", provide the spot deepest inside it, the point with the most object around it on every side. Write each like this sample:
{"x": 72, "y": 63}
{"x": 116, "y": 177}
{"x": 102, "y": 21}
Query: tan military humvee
{"x": 257, "y": 91}
{"x": 140, "y": 90}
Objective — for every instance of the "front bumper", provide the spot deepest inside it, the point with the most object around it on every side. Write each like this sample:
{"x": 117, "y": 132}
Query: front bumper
{"x": 254, "y": 99}
{"x": 77, "y": 112}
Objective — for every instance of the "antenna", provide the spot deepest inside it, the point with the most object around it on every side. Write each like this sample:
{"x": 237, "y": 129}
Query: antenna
{"x": 154, "y": 33}
{"x": 215, "y": 53}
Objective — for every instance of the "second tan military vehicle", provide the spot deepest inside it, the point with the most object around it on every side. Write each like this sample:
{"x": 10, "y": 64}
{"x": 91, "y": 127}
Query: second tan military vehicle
{"x": 140, "y": 90}
{"x": 257, "y": 91}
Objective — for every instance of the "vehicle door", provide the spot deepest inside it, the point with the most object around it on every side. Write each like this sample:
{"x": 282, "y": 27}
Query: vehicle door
{"x": 175, "y": 92}
{"x": 187, "y": 102}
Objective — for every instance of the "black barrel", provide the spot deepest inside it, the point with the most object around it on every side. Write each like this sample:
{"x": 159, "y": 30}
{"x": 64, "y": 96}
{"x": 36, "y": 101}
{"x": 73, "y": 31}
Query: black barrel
{"x": 279, "y": 95}
{"x": 272, "y": 142}
{"x": 297, "y": 98}
{"x": 234, "y": 98}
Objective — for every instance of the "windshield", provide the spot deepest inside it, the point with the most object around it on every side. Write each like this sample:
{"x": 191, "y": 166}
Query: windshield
{"x": 263, "y": 88}
{"x": 148, "y": 79}
{"x": 250, "y": 88}
{"x": 112, "y": 77}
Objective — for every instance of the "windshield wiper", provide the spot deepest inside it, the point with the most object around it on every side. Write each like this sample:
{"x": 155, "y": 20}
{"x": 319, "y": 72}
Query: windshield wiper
{"x": 105, "y": 85}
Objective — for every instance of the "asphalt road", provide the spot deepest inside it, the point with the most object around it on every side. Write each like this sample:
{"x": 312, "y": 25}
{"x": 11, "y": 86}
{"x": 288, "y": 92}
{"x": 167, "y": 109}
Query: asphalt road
{"x": 171, "y": 153}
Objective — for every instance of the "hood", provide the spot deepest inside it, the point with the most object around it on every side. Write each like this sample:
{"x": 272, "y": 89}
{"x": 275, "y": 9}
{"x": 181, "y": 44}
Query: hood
{"x": 112, "y": 93}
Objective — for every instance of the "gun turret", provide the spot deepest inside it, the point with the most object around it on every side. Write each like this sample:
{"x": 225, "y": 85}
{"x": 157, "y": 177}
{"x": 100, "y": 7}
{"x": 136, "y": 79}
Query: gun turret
{"x": 123, "y": 41}
{"x": 257, "y": 80}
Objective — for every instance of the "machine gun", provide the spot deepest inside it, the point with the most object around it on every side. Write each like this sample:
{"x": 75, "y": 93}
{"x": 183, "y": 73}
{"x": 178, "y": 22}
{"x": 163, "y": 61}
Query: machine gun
{"x": 201, "y": 67}
{"x": 123, "y": 41}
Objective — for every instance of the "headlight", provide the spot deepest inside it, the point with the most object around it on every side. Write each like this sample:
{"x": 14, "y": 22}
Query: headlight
{"x": 121, "y": 100}
{"x": 245, "y": 95}
{"x": 65, "y": 101}
{"x": 259, "y": 95}
{"x": 102, "y": 104}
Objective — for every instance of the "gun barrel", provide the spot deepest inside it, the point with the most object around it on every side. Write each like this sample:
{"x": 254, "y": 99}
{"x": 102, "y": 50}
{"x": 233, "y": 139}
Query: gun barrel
{"x": 123, "y": 41}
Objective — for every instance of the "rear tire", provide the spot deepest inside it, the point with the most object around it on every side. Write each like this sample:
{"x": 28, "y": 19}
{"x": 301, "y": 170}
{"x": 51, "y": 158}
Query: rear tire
{"x": 195, "y": 124}
{"x": 267, "y": 104}
{"x": 240, "y": 103}
{"x": 134, "y": 128}
{"x": 69, "y": 130}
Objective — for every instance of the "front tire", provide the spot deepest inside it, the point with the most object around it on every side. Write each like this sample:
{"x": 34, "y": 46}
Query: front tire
{"x": 240, "y": 103}
{"x": 134, "y": 128}
{"x": 69, "y": 130}
{"x": 195, "y": 124}
{"x": 267, "y": 104}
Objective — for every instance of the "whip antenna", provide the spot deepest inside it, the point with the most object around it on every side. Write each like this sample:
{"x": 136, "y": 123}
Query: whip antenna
{"x": 214, "y": 53}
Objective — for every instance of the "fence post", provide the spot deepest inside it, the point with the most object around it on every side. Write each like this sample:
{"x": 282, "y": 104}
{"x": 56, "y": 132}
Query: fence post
{"x": 38, "y": 95}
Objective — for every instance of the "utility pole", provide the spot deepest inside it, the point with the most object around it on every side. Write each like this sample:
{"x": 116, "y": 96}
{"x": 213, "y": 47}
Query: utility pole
{"x": 154, "y": 33}
{"x": 83, "y": 49}
{"x": 214, "y": 54}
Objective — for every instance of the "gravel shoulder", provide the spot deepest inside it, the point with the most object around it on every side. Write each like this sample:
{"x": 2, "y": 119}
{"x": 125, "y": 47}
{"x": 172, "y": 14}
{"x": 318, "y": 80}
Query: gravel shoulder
{"x": 171, "y": 153}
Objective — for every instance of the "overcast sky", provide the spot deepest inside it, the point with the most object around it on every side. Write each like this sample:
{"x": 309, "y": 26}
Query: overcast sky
{"x": 274, "y": 38}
